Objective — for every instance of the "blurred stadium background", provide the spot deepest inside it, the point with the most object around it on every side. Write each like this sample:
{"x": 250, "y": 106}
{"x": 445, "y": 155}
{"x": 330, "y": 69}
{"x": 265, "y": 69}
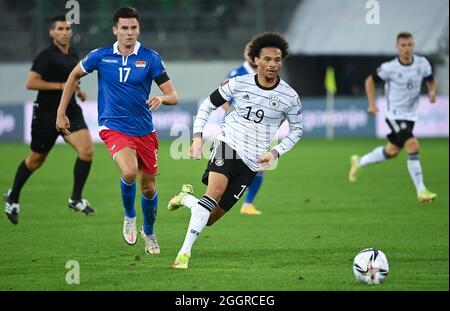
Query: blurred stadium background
{"x": 201, "y": 41}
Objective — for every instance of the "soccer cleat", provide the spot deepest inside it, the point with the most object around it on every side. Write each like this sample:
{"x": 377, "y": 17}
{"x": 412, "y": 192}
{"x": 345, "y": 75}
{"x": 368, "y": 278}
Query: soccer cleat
{"x": 426, "y": 196}
{"x": 12, "y": 210}
{"x": 354, "y": 160}
{"x": 81, "y": 206}
{"x": 181, "y": 262}
{"x": 250, "y": 209}
{"x": 129, "y": 230}
{"x": 151, "y": 243}
{"x": 175, "y": 202}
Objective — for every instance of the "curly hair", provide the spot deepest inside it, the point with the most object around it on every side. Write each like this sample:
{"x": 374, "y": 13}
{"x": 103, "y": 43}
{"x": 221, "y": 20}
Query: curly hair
{"x": 268, "y": 39}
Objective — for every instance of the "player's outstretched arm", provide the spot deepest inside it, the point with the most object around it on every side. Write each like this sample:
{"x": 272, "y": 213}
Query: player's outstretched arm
{"x": 267, "y": 158}
{"x": 204, "y": 112}
{"x": 35, "y": 82}
{"x": 80, "y": 94}
{"x": 62, "y": 122}
{"x": 294, "y": 117}
{"x": 432, "y": 86}
{"x": 195, "y": 152}
{"x": 370, "y": 92}
{"x": 170, "y": 96}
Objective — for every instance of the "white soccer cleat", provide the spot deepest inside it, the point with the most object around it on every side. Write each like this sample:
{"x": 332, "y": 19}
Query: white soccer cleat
{"x": 151, "y": 243}
{"x": 12, "y": 210}
{"x": 130, "y": 230}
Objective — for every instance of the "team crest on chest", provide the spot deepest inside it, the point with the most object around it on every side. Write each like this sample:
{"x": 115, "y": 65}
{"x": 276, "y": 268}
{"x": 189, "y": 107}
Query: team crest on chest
{"x": 274, "y": 102}
{"x": 140, "y": 64}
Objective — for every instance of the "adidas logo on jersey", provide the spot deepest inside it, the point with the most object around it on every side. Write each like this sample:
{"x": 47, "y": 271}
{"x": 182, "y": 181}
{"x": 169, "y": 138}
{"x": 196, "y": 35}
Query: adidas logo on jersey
{"x": 246, "y": 96}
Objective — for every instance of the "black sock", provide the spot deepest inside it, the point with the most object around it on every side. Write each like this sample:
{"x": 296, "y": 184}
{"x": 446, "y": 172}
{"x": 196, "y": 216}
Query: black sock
{"x": 80, "y": 174}
{"x": 22, "y": 174}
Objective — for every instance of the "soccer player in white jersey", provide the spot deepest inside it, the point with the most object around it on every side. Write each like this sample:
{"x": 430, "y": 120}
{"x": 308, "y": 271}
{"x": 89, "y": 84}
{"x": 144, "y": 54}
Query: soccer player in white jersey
{"x": 248, "y": 67}
{"x": 403, "y": 78}
{"x": 262, "y": 101}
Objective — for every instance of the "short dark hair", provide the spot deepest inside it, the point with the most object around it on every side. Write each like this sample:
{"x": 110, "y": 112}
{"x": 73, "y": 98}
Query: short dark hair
{"x": 125, "y": 12}
{"x": 268, "y": 39}
{"x": 57, "y": 18}
{"x": 404, "y": 35}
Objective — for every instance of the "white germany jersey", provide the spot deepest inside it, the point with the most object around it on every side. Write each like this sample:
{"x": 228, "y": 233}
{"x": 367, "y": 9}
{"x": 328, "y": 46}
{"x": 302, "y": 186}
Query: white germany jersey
{"x": 256, "y": 115}
{"x": 402, "y": 86}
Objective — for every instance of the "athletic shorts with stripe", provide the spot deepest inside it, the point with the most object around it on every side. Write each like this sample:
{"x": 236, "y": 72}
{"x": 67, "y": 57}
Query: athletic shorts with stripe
{"x": 146, "y": 148}
{"x": 225, "y": 160}
{"x": 401, "y": 131}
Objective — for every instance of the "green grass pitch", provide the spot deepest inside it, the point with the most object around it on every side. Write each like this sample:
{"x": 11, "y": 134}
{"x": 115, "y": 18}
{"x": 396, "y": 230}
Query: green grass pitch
{"x": 313, "y": 223}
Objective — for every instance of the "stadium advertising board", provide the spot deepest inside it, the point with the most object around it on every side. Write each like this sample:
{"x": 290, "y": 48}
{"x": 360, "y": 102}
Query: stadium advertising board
{"x": 11, "y": 123}
{"x": 164, "y": 119}
{"x": 350, "y": 118}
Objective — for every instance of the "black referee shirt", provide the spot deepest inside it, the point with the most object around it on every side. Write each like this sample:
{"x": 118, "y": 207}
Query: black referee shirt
{"x": 54, "y": 66}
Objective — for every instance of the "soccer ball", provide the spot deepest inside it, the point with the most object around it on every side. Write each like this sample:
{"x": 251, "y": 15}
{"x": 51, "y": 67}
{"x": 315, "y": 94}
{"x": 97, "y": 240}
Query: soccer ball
{"x": 370, "y": 266}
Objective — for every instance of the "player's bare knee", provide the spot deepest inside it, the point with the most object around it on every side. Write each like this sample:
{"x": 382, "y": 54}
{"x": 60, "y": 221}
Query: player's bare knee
{"x": 33, "y": 163}
{"x": 215, "y": 193}
{"x": 86, "y": 153}
{"x": 412, "y": 146}
{"x": 129, "y": 173}
{"x": 391, "y": 151}
{"x": 149, "y": 190}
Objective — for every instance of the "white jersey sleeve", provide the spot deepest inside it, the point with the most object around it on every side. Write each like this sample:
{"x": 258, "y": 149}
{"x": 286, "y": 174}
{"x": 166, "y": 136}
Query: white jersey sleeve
{"x": 207, "y": 106}
{"x": 383, "y": 71}
{"x": 295, "y": 119}
{"x": 203, "y": 114}
{"x": 226, "y": 90}
{"x": 426, "y": 68}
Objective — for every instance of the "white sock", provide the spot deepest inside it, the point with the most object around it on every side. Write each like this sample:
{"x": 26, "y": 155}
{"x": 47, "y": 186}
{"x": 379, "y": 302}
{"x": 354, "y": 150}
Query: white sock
{"x": 375, "y": 156}
{"x": 199, "y": 218}
{"x": 189, "y": 201}
{"x": 415, "y": 171}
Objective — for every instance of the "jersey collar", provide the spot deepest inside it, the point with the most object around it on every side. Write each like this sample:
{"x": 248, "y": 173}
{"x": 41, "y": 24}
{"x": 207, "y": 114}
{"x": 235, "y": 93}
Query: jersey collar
{"x": 267, "y": 88}
{"x": 135, "y": 51}
{"x": 55, "y": 47}
{"x": 403, "y": 64}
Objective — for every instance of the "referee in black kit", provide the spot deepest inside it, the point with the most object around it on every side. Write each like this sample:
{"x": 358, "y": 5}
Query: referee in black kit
{"x": 48, "y": 75}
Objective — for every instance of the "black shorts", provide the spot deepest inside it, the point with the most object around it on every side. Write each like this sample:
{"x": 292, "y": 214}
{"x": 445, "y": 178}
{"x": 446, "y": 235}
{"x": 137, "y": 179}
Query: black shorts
{"x": 401, "y": 131}
{"x": 43, "y": 127}
{"x": 225, "y": 160}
